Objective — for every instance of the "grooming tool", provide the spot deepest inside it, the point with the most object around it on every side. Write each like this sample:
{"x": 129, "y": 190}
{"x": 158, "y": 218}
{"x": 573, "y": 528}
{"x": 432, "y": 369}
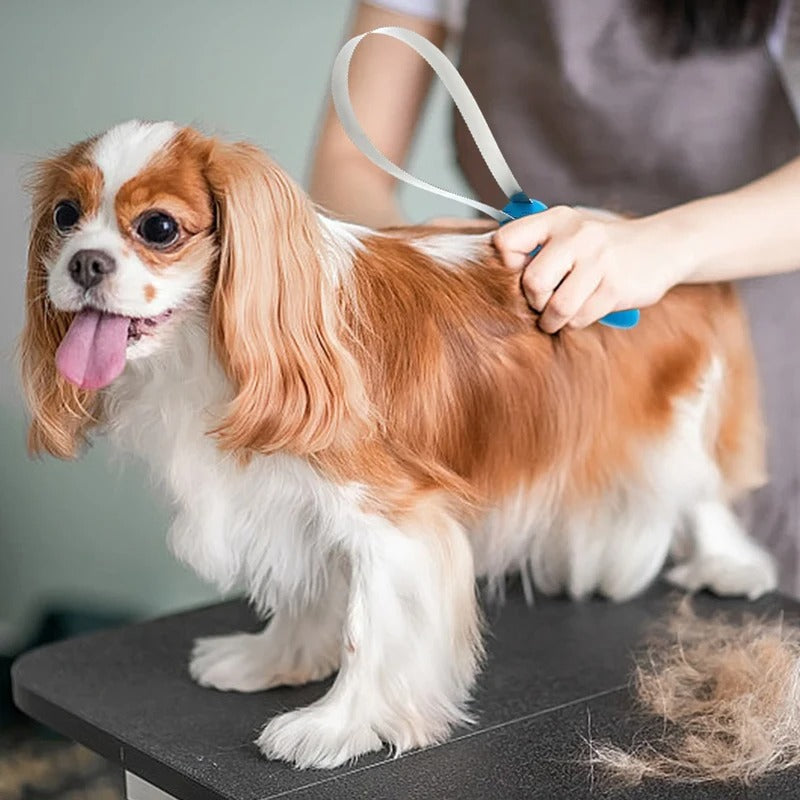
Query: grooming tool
{"x": 519, "y": 205}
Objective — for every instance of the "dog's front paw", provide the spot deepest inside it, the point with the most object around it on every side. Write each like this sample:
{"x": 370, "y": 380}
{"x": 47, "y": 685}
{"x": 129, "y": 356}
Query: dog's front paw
{"x": 316, "y": 737}
{"x": 252, "y": 662}
{"x": 726, "y": 576}
{"x": 234, "y": 663}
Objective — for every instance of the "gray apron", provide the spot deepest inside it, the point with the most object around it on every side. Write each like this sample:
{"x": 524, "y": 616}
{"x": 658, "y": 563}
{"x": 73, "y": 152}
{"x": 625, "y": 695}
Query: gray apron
{"x": 589, "y": 110}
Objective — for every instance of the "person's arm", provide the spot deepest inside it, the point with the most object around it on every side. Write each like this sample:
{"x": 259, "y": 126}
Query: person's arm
{"x": 590, "y": 265}
{"x": 388, "y": 85}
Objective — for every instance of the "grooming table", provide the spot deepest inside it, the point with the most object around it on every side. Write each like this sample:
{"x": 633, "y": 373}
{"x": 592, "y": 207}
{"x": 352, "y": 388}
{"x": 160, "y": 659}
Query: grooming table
{"x": 556, "y": 678}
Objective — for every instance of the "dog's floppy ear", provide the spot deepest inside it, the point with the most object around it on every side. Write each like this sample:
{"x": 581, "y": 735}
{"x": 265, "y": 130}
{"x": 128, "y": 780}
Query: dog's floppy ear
{"x": 60, "y": 412}
{"x": 276, "y": 323}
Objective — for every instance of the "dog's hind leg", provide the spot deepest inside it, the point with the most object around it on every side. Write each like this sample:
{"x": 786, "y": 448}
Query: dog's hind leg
{"x": 719, "y": 555}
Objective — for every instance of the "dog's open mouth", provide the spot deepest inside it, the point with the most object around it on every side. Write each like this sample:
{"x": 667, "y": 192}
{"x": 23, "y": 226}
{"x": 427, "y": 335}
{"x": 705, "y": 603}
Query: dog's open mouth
{"x": 93, "y": 351}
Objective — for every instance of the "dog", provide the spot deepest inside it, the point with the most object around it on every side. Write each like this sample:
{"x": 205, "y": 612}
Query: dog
{"x": 356, "y": 424}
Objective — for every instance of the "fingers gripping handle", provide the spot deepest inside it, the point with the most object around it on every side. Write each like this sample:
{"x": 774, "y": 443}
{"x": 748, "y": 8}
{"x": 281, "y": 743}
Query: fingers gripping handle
{"x": 518, "y": 208}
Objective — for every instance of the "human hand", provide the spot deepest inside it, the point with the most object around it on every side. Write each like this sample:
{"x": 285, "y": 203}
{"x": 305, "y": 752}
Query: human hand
{"x": 591, "y": 263}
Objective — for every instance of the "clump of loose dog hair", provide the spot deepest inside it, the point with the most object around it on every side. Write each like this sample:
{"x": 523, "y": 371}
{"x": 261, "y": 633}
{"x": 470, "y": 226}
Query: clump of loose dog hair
{"x": 728, "y": 695}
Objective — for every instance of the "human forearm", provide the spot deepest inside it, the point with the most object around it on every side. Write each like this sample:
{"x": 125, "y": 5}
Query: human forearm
{"x": 355, "y": 190}
{"x": 748, "y": 232}
{"x": 589, "y": 265}
{"x": 388, "y": 84}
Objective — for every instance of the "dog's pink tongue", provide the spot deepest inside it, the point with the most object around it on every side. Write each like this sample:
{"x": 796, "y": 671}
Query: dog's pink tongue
{"x": 92, "y": 353}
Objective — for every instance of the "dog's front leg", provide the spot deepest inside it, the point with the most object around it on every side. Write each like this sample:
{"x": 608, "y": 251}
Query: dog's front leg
{"x": 410, "y": 646}
{"x": 300, "y": 644}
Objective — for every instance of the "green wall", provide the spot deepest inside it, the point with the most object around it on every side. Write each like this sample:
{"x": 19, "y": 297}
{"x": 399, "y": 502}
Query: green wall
{"x": 93, "y": 532}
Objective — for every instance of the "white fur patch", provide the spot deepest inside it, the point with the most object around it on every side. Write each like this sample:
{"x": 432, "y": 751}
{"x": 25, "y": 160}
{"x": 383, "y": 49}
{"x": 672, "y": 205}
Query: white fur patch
{"x": 454, "y": 250}
{"x": 342, "y": 241}
{"x": 722, "y": 557}
{"x": 410, "y": 600}
{"x": 295, "y": 648}
{"x": 123, "y": 152}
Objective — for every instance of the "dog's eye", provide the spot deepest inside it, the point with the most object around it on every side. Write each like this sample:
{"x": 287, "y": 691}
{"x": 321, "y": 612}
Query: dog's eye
{"x": 158, "y": 229}
{"x": 66, "y": 215}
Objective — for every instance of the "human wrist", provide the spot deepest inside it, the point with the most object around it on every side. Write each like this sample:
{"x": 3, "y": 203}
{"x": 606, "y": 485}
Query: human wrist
{"x": 709, "y": 238}
{"x": 673, "y": 246}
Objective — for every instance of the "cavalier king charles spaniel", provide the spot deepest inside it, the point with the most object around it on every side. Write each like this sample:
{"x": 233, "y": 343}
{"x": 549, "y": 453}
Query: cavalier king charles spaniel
{"x": 356, "y": 424}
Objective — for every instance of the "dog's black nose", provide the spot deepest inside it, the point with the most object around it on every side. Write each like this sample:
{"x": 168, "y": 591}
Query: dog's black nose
{"x": 87, "y": 267}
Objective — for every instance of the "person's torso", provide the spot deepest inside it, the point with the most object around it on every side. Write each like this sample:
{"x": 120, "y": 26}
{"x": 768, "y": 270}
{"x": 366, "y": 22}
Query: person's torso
{"x": 589, "y": 109}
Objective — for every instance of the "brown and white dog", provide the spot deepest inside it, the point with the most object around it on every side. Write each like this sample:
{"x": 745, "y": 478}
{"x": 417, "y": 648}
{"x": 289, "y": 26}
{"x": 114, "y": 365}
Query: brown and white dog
{"x": 355, "y": 424}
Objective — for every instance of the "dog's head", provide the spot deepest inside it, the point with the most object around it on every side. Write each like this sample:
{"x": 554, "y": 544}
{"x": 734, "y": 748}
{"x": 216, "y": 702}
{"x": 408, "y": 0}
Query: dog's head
{"x": 139, "y": 230}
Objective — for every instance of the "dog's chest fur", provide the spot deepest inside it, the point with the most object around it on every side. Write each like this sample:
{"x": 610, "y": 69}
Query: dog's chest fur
{"x": 271, "y": 526}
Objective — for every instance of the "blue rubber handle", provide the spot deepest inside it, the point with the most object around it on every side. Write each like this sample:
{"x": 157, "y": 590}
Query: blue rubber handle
{"x": 519, "y": 207}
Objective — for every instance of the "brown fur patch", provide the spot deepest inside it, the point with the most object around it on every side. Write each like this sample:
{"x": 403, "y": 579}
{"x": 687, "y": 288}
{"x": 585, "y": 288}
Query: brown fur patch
{"x": 275, "y": 321}
{"x": 173, "y": 182}
{"x": 150, "y": 292}
{"x": 61, "y": 413}
{"x": 71, "y": 176}
{"x": 476, "y": 395}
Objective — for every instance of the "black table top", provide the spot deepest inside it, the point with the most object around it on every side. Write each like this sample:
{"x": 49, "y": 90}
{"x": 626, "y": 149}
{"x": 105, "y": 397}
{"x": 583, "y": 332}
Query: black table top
{"x": 557, "y": 675}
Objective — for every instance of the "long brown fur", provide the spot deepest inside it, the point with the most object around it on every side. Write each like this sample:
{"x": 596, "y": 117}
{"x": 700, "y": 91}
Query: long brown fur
{"x": 274, "y": 317}
{"x": 470, "y": 383}
{"x": 61, "y": 414}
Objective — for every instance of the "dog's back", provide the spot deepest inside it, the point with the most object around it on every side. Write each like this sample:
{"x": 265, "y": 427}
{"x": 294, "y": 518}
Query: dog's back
{"x": 578, "y": 451}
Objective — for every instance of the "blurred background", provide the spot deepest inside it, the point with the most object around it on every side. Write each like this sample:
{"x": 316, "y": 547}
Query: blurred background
{"x": 83, "y": 544}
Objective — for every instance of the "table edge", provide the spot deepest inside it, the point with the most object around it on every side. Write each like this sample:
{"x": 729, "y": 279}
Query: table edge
{"x": 107, "y": 745}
